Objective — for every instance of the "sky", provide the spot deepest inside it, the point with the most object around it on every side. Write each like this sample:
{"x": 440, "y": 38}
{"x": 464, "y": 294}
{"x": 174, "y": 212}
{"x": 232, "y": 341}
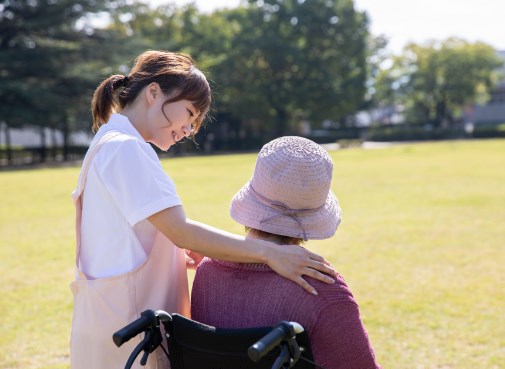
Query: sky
{"x": 403, "y": 21}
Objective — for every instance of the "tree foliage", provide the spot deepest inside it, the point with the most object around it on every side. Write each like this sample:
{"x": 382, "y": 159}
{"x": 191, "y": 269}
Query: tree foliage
{"x": 435, "y": 81}
{"x": 294, "y": 60}
{"x": 272, "y": 63}
{"x": 48, "y": 57}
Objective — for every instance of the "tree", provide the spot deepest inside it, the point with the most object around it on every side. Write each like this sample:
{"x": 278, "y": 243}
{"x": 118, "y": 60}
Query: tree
{"x": 291, "y": 60}
{"x": 43, "y": 48}
{"x": 436, "y": 80}
{"x": 271, "y": 63}
{"x": 274, "y": 63}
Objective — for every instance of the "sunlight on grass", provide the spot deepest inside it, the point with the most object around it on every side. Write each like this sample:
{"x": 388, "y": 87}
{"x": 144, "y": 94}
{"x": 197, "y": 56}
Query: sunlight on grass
{"x": 421, "y": 245}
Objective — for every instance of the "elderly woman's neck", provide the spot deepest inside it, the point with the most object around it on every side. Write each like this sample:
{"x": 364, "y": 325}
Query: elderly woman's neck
{"x": 278, "y": 239}
{"x": 271, "y": 238}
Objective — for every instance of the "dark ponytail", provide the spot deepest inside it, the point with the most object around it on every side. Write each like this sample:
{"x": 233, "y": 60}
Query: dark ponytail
{"x": 104, "y": 101}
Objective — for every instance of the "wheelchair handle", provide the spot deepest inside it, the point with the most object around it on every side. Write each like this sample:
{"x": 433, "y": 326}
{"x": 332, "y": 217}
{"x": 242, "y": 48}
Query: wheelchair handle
{"x": 282, "y": 331}
{"x": 147, "y": 318}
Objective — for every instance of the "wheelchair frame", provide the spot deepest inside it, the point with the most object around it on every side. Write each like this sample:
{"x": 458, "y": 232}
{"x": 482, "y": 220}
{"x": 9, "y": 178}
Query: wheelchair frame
{"x": 278, "y": 344}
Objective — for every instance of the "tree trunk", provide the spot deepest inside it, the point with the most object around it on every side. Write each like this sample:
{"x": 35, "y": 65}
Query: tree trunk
{"x": 66, "y": 135}
{"x": 54, "y": 144}
{"x": 281, "y": 123}
{"x": 8, "y": 145}
{"x": 43, "y": 151}
{"x": 440, "y": 113}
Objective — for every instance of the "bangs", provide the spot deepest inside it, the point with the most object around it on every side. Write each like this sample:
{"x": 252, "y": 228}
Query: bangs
{"x": 192, "y": 87}
{"x": 197, "y": 90}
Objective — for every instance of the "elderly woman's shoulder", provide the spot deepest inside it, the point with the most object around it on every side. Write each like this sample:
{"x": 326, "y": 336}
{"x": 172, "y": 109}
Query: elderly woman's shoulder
{"x": 336, "y": 292}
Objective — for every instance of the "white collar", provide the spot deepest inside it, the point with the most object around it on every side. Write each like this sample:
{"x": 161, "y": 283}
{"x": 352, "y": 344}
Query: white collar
{"x": 120, "y": 123}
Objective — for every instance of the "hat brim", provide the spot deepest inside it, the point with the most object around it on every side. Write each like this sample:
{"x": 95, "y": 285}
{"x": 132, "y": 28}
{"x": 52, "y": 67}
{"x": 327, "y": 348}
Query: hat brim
{"x": 248, "y": 210}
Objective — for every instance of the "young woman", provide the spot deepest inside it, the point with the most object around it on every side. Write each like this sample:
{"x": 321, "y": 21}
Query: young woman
{"x": 130, "y": 224}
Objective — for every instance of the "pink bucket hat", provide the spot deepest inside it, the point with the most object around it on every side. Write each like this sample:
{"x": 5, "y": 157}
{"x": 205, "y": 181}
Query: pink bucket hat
{"x": 289, "y": 193}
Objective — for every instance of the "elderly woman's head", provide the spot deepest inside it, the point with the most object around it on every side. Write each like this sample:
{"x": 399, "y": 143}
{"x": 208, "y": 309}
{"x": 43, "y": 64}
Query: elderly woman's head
{"x": 289, "y": 194}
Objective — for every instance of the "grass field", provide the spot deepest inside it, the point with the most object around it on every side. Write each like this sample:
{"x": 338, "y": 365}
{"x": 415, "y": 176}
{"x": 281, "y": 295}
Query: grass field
{"x": 422, "y": 245}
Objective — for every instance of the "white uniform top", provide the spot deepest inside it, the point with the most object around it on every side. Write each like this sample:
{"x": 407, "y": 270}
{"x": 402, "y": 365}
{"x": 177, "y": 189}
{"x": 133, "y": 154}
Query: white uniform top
{"x": 125, "y": 185}
{"x": 104, "y": 305}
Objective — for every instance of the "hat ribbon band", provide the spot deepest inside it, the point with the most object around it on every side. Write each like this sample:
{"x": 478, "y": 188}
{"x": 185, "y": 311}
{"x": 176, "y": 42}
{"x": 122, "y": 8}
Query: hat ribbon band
{"x": 284, "y": 210}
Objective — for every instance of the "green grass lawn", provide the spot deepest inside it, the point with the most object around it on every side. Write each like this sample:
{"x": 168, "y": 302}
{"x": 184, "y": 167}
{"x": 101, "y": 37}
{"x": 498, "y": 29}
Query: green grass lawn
{"x": 422, "y": 245}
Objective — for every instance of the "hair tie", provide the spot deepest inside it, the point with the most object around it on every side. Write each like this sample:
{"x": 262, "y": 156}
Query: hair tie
{"x": 120, "y": 82}
{"x": 124, "y": 81}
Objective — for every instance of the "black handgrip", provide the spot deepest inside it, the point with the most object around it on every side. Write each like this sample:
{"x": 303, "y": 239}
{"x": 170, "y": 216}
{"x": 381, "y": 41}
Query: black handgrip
{"x": 281, "y": 331}
{"x": 137, "y": 326}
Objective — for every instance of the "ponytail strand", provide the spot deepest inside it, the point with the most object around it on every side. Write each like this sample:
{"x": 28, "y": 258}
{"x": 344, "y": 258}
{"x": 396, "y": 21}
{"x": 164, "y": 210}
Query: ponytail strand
{"x": 104, "y": 101}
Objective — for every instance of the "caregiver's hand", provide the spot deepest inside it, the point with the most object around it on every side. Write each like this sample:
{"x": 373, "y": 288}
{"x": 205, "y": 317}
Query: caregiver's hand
{"x": 292, "y": 262}
{"x": 193, "y": 259}
{"x": 289, "y": 261}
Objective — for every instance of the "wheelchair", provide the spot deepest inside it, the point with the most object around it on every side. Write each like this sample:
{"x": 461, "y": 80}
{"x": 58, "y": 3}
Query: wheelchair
{"x": 193, "y": 345}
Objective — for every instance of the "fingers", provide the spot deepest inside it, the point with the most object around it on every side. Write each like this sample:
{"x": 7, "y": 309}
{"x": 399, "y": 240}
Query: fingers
{"x": 306, "y": 286}
{"x": 189, "y": 261}
{"x": 318, "y": 275}
{"x": 313, "y": 274}
{"x": 293, "y": 263}
{"x": 319, "y": 263}
{"x": 320, "y": 259}
{"x": 313, "y": 271}
{"x": 323, "y": 268}
{"x": 193, "y": 259}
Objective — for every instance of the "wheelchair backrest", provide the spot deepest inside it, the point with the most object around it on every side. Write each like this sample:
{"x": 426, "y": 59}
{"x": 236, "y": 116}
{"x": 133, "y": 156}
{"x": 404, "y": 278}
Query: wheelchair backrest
{"x": 193, "y": 345}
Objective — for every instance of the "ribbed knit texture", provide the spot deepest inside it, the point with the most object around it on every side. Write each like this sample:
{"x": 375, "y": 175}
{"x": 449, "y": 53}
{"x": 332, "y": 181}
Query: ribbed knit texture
{"x": 234, "y": 295}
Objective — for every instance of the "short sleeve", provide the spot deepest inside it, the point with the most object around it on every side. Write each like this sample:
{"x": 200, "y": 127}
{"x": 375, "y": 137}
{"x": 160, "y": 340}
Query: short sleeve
{"x": 133, "y": 175}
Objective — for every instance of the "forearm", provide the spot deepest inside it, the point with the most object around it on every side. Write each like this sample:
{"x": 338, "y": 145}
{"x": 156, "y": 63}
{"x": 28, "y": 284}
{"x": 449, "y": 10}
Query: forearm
{"x": 207, "y": 240}
{"x": 219, "y": 244}
{"x": 290, "y": 262}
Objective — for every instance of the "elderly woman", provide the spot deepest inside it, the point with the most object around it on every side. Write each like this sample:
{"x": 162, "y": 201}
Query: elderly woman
{"x": 288, "y": 200}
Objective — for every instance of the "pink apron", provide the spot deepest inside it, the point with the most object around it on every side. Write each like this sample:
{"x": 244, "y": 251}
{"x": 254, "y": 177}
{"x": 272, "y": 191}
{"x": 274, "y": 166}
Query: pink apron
{"x": 103, "y": 306}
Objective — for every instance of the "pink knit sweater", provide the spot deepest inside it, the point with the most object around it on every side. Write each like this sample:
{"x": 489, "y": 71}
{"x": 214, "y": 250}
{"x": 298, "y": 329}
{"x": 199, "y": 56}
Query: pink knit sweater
{"x": 233, "y": 295}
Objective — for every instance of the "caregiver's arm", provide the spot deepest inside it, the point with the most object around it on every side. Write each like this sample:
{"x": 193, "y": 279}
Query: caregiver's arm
{"x": 290, "y": 262}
